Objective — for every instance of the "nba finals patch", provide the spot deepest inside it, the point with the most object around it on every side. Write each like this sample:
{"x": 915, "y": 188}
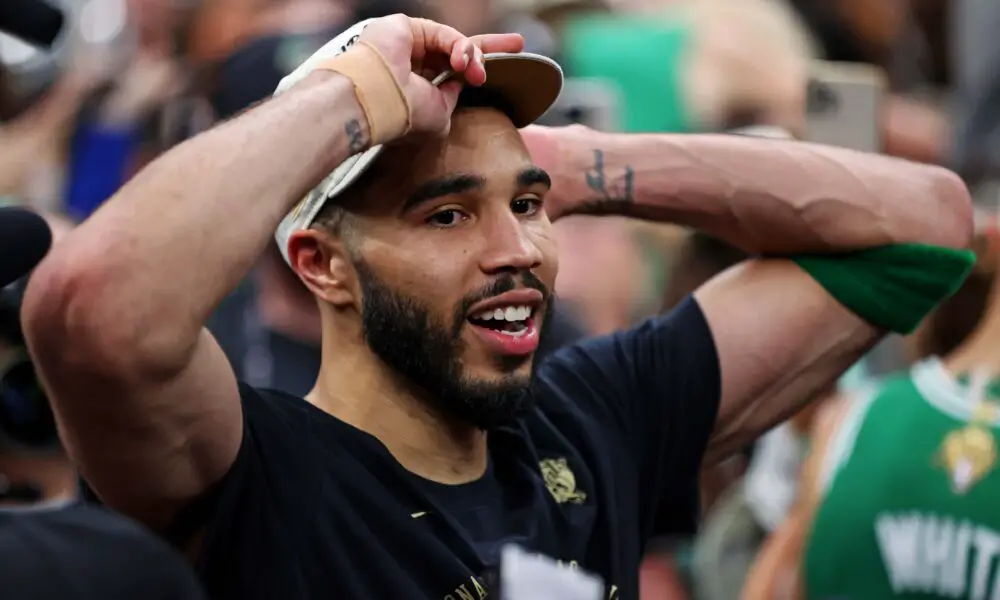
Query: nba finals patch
{"x": 970, "y": 453}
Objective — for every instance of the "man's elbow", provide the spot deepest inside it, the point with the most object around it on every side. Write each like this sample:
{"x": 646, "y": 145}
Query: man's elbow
{"x": 74, "y": 321}
{"x": 953, "y": 223}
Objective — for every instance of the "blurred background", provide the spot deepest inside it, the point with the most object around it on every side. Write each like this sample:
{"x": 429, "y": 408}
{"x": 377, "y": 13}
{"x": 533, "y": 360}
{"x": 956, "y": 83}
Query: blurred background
{"x": 920, "y": 79}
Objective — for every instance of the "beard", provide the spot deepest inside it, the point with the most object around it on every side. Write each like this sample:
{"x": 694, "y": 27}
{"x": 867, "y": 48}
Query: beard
{"x": 403, "y": 332}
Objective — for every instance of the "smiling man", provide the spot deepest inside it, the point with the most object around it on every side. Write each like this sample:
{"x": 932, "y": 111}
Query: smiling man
{"x": 432, "y": 437}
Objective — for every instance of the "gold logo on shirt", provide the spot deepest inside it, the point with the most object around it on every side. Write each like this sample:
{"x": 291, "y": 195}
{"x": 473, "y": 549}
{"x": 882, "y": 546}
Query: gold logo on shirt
{"x": 560, "y": 481}
{"x": 970, "y": 453}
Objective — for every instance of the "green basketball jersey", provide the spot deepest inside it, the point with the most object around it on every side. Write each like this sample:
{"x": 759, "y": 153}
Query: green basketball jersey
{"x": 911, "y": 496}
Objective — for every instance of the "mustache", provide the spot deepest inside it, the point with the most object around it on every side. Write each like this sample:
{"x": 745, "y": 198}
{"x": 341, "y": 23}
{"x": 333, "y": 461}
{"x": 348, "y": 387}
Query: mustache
{"x": 501, "y": 285}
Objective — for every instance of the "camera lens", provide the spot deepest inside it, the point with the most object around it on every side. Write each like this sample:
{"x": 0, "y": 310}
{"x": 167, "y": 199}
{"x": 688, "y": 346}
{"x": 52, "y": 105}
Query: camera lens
{"x": 25, "y": 416}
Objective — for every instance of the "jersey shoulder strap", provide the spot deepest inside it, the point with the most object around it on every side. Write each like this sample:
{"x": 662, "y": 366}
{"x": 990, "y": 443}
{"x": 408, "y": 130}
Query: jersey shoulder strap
{"x": 947, "y": 395}
{"x": 842, "y": 443}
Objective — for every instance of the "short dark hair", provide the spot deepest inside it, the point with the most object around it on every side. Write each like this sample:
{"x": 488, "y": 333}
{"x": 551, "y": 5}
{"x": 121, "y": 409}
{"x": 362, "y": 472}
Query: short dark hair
{"x": 481, "y": 97}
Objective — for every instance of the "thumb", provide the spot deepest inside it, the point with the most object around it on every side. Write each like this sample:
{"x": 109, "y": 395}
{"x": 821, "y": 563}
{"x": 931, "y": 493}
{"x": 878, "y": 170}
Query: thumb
{"x": 432, "y": 106}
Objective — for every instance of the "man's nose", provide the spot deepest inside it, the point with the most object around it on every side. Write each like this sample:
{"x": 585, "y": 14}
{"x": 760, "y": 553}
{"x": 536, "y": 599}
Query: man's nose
{"x": 508, "y": 247}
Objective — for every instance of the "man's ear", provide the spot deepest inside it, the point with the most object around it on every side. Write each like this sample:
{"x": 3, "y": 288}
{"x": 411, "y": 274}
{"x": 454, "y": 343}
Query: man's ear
{"x": 324, "y": 265}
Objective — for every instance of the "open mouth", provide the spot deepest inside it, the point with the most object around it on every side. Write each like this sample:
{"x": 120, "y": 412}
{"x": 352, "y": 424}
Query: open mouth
{"x": 514, "y": 321}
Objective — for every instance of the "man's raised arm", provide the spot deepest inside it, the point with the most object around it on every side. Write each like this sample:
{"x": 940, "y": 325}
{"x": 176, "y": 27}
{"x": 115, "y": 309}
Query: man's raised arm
{"x": 780, "y": 334}
{"x": 146, "y": 401}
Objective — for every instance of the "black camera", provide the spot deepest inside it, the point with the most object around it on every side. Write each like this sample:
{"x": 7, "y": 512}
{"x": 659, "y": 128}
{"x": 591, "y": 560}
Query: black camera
{"x": 26, "y": 420}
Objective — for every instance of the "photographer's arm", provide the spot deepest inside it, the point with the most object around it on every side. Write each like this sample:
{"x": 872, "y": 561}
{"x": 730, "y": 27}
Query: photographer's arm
{"x": 147, "y": 403}
{"x": 780, "y": 336}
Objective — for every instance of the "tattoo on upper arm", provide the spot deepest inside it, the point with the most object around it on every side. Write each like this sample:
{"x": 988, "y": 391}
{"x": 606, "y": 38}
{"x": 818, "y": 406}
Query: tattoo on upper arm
{"x": 356, "y": 138}
{"x": 615, "y": 196}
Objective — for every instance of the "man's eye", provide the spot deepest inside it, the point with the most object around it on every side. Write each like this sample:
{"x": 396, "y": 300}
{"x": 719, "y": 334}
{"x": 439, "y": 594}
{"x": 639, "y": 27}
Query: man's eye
{"x": 525, "y": 206}
{"x": 446, "y": 218}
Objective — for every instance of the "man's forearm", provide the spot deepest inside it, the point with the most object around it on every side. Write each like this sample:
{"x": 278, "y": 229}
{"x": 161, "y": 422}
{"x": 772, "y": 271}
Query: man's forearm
{"x": 178, "y": 237}
{"x": 771, "y": 196}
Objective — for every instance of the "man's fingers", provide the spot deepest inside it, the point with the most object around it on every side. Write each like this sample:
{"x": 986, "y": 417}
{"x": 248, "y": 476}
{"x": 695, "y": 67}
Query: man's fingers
{"x": 465, "y": 54}
{"x": 437, "y": 38}
{"x": 499, "y": 42}
{"x": 462, "y": 54}
{"x": 475, "y": 74}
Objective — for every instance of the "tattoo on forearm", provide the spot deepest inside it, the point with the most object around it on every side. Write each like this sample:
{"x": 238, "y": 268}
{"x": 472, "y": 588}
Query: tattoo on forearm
{"x": 355, "y": 136}
{"x": 610, "y": 197}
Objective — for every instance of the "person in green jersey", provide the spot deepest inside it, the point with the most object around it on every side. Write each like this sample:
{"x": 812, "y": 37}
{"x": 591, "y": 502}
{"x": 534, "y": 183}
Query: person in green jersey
{"x": 899, "y": 496}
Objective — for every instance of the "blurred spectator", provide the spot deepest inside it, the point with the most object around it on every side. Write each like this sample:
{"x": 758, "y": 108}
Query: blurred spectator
{"x": 975, "y": 61}
{"x": 697, "y": 64}
{"x": 106, "y": 144}
{"x": 33, "y": 141}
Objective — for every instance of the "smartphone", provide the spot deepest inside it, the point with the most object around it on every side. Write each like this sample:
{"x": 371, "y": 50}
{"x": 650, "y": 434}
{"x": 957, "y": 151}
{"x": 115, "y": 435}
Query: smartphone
{"x": 844, "y": 105}
{"x": 593, "y": 102}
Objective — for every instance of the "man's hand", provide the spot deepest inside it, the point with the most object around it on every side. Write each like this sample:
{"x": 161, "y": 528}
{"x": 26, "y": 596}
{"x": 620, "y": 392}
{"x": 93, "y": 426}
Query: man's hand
{"x": 418, "y": 50}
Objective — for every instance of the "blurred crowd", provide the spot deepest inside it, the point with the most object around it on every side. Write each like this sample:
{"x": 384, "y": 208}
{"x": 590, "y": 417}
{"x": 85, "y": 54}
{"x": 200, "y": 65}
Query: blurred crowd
{"x": 131, "y": 78}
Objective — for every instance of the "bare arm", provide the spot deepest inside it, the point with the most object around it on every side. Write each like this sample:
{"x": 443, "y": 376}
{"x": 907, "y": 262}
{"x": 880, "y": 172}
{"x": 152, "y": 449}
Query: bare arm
{"x": 764, "y": 196}
{"x": 146, "y": 401}
{"x": 780, "y": 337}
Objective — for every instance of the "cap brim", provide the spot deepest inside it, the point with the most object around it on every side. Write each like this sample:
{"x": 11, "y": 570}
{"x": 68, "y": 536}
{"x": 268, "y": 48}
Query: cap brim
{"x": 528, "y": 83}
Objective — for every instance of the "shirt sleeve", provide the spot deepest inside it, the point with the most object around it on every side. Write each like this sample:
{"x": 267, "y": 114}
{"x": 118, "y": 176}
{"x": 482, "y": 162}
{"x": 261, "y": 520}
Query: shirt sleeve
{"x": 268, "y": 497}
{"x": 655, "y": 392}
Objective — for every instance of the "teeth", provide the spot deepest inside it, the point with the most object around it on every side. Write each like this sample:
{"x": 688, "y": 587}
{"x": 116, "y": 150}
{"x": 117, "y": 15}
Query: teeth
{"x": 516, "y": 334}
{"x": 509, "y": 313}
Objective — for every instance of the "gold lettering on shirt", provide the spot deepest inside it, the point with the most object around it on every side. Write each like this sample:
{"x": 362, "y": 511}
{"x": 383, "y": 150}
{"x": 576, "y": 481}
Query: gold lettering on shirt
{"x": 472, "y": 589}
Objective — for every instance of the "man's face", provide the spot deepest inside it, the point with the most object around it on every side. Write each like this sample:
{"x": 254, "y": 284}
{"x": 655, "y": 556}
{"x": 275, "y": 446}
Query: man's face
{"x": 456, "y": 261}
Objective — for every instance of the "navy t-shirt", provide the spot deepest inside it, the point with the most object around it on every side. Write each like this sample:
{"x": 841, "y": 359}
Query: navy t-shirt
{"x": 315, "y": 508}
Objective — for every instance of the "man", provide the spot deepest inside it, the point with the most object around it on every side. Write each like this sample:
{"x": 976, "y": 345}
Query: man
{"x": 426, "y": 445}
{"x": 898, "y": 497}
{"x": 269, "y": 327}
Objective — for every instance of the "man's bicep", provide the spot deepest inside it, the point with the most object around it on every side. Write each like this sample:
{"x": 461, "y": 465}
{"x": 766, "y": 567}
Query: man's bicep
{"x": 781, "y": 340}
{"x": 148, "y": 448}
